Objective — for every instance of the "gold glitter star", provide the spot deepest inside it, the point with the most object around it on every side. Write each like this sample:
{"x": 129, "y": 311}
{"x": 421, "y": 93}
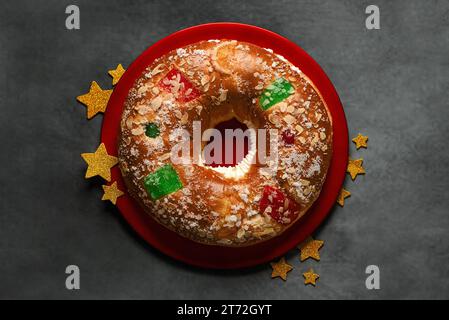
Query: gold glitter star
{"x": 342, "y": 196}
{"x": 310, "y": 248}
{"x": 355, "y": 168}
{"x": 116, "y": 73}
{"x": 280, "y": 269}
{"x": 360, "y": 141}
{"x": 310, "y": 277}
{"x": 99, "y": 163}
{"x": 111, "y": 192}
{"x": 96, "y": 100}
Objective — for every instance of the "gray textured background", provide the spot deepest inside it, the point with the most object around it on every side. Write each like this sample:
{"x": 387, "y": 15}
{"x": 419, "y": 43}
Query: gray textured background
{"x": 393, "y": 84}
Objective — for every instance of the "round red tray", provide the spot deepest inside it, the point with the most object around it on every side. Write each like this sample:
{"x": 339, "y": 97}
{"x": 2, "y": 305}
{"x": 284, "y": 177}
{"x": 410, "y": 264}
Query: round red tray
{"x": 206, "y": 256}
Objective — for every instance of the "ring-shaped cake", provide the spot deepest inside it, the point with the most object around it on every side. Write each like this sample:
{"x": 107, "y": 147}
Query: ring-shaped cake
{"x": 207, "y": 83}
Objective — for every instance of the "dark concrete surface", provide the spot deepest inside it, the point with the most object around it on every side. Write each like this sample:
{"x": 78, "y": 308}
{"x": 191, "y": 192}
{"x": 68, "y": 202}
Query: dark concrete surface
{"x": 393, "y": 83}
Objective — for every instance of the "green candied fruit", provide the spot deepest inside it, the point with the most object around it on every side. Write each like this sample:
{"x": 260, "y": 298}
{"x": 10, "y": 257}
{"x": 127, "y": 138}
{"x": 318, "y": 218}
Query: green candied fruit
{"x": 152, "y": 130}
{"x": 279, "y": 90}
{"x": 162, "y": 182}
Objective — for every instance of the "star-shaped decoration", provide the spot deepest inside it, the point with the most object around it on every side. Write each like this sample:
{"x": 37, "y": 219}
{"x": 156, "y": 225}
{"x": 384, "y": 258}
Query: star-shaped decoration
{"x": 355, "y": 168}
{"x": 310, "y": 277}
{"x": 99, "y": 163}
{"x": 116, "y": 74}
{"x": 96, "y": 100}
{"x": 360, "y": 141}
{"x": 280, "y": 269}
{"x": 342, "y": 196}
{"x": 310, "y": 248}
{"x": 111, "y": 192}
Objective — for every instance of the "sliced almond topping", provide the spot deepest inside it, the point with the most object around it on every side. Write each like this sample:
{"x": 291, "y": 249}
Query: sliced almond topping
{"x": 129, "y": 123}
{"x": 299, "y": 129}
{"x": 259, "y": 86}
{"x": 155, "y": 90}
{"x": 204, "y": 80}
{"x": 223, "y": 95}
{"x": 322, "y": 135}
{"x": 165, "y": 156}
{"x": 158, "y": 69}
{"x": 143, "y": 89}
{"x": 282, "y": 106}
{"x": 315, "y": 138}
{"x": 307, "y": 191}
{"x": 184, "y": 118}
{"x": 274, "y": 119}
{"x": 137, "y": 131}
{"x": 156, "y": 103}
{"x": 289, "y": 119}
{"x": 290, "y": 109}
{"x": 302, "y": 140}
{"x": 178, "y": 114}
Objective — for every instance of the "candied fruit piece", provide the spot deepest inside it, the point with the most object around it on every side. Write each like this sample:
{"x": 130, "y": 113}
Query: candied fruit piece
{"x": 176, "y": 83}
{"x": 162, "y": 182}
{"x": 288, "y": 137}
{"x": 281, "y": 208}
{"x": 152, "y": 130}
{"x": 279, "y": 90}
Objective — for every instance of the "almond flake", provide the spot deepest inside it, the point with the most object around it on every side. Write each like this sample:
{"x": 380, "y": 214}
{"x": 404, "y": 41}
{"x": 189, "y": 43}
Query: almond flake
{"x": 129, "y": 123}
{"x": 289, "y": 119}
{"x": 290, "y": 109}
{"x": 158, "y": 69}
{"x": 165, "y": 156}
{"x": 273, "y": 119}
{"x": 282, "y": 106}
{"x": 156, "y": 103}
{"x": 223, "y": 95}
{"x": 184, "y": 118}
{"x": 178, "y": 114}
{"x": 322, "y": 135}
{"x": 204, "y": 80}
{"x": 299, "y": 129}
{"x": 137, "y": 131}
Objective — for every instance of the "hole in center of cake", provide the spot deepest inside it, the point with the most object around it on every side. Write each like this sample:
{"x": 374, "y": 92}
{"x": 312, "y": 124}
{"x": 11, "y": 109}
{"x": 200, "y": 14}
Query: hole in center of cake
{"x": 228, "y": 144}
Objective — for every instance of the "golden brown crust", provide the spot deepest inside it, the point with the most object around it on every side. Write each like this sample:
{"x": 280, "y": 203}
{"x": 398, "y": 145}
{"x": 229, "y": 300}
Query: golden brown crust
{"x": 230, "y": 75}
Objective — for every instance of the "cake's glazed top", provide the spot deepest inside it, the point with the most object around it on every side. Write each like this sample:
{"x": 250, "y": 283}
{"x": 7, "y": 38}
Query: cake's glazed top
{"x": 213, "y": 81}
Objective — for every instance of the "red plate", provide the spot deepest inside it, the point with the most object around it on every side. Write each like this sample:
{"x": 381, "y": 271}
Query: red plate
{"x": 206, "y": 256}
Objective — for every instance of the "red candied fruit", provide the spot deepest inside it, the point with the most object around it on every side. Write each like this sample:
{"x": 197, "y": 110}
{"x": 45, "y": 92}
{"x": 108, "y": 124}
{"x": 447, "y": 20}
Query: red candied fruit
{"x": 281, "y": 208}
{"x": 176, "y": 83}
{"x": 288, "y": 137}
